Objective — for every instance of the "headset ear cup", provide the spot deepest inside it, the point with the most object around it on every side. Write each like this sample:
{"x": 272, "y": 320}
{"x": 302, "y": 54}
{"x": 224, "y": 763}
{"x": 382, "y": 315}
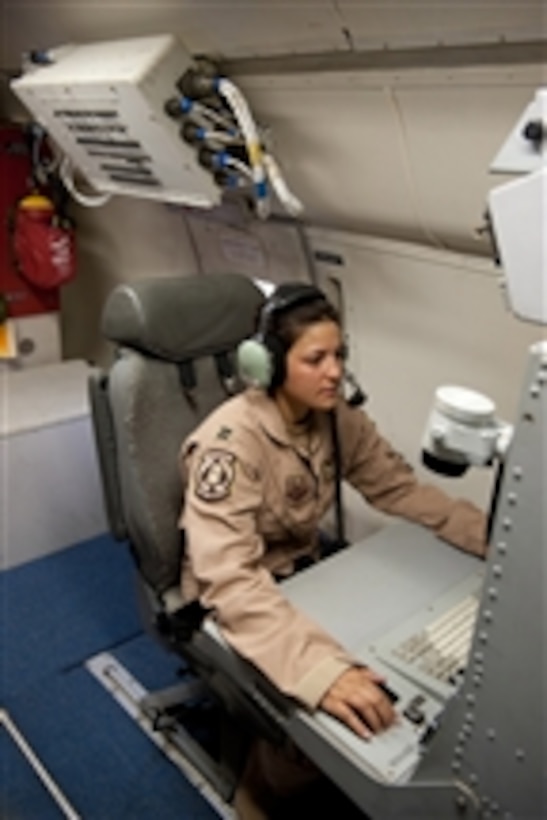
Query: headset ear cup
{"x": 254, "y": 363}
{"x": 277, "y": 358}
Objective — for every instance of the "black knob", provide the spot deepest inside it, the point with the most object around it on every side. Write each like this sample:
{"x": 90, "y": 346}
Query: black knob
{"x": 172, "y": 108}
{"x": 196, "y": 85}
{"x": 191, "y": 132}
{"x": 534, "y": 131}
{"x": 207, "y": 158}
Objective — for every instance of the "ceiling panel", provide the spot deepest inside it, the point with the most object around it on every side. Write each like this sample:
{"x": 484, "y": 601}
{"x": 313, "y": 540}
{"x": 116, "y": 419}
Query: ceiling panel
{"x": 395, "y": 155}
{"x": 452, "y": 133}
{"x": 421, "y": 23}
{"x": 338, "y": 150}
{"x": 238, "y": 29}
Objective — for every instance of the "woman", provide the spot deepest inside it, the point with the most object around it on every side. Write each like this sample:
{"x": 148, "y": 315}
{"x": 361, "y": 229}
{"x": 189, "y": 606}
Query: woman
{"x": 259, "y": 476}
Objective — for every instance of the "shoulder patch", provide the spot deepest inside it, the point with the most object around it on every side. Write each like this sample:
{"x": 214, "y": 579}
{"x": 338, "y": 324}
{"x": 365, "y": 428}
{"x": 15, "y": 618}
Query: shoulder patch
{"x": 215, "y": 474}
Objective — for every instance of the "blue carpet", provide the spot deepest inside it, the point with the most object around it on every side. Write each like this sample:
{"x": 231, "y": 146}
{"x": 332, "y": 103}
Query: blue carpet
{"x": 63, "y": 608}
{"x": 55, "y": 614}
{"x": 103, "y": 762}
{"x": 20, "y": 786}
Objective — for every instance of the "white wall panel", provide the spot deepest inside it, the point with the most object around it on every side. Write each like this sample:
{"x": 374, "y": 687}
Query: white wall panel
{"x": 50, "y": 492}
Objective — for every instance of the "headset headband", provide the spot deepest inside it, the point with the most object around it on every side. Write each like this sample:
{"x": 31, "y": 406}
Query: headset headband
{"x": 286, "y": 297}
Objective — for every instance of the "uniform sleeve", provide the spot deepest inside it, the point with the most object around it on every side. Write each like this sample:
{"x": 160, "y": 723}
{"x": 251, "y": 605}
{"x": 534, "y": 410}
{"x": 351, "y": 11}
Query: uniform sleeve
{"x": 222, "y": 498}
{"x": 383, "y": 477}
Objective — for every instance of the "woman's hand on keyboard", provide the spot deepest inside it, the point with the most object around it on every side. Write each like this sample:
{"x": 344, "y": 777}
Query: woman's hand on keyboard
{"x": 358, "y": 700}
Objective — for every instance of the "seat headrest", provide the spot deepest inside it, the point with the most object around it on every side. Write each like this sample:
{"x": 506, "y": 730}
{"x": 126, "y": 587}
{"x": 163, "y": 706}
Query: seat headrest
{"x": 181, "y": 318}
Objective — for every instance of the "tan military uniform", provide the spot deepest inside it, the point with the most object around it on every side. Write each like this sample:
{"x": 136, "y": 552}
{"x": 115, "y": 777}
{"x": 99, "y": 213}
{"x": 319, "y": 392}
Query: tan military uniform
{"x": 256, "y": 490}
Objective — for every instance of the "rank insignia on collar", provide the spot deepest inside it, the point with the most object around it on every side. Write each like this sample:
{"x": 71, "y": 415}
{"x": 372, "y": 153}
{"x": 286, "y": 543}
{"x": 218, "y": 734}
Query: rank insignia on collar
{"x": 224, "y": 433}
{"x": 215, "y": 475}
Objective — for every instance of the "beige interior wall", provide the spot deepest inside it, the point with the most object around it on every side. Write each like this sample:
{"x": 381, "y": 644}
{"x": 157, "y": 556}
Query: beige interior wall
{"x": 417, "y": 319}
{"x": 130, "y": 239}
{"x": 123, "y": 240}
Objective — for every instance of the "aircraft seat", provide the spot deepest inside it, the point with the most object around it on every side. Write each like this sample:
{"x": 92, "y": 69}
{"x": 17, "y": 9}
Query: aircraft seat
{"x": 175, "y": 342}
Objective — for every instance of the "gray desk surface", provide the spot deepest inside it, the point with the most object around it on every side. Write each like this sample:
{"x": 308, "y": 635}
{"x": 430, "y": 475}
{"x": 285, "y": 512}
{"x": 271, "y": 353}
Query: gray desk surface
{"x": 371, "y": 587}
{"x": 358, "y": 596}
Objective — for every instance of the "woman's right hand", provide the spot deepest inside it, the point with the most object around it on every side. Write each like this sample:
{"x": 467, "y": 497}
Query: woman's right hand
{"x": 357, "y": 700}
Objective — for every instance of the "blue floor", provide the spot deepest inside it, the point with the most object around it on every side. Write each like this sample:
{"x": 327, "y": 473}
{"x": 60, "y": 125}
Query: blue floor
{"x": 56, "y": 613}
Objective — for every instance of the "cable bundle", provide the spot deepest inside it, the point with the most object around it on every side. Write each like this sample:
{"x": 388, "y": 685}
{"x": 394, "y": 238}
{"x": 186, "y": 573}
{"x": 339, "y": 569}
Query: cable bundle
{"x": 217, "y": 121}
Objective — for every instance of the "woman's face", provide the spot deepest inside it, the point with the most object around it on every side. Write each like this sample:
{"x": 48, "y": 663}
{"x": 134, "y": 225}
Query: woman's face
{"x": 314, "y": 367}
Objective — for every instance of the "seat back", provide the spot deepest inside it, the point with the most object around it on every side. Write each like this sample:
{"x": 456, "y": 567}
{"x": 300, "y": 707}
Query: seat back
{"x": 176, "y": 340}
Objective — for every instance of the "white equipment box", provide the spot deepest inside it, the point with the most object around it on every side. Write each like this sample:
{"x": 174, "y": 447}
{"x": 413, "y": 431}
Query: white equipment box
{"x": 103, "y": 104}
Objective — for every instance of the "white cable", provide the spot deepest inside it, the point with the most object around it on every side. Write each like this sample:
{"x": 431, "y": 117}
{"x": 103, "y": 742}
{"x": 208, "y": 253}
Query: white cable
{"x": 291, "y": 203}
{"x": 41, "y": 771}
{"x": 43, "y": 168}
{"x": 239, "y": 166}
{"x": 214, "y": 116}
{"x": 66, "y": 174}
{"x": 237, "y": 103}
{"x": 222, "y": 138}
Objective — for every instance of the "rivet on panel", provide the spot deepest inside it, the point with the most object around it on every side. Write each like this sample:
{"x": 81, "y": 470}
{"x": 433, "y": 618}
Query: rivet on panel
{"x": 491, "y": 734}
{"x": 535, "y": 391}
{"x": 493, "y": 593}
{"x": 488, "y": 616}
{"x": 519, "y": 754}
{"x": 483, "y": 636}
{"x": 517, "y": 473}
{"x": 470, "y": 716}
{"x": 470, "y": 699}
{"x": 477, "y": 680}
{"x": 512, "y": 498}
{"x": 507, "y": 523}
{"x": 458, "y": 751}
{"x": 502, "y": 547}
{"x": 473, "y": 779}
{"x": 456, "y": 766}
{"x": 461, "y": 802}
{"x": 497, "y": 571}
{"x": 479, "y": 658}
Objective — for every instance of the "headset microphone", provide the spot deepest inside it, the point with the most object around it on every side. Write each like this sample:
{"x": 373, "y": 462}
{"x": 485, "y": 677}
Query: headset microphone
{"x": 357, "y": 396}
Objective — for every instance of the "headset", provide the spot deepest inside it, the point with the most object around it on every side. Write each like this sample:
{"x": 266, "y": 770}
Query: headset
{"x": 261, "y": 359}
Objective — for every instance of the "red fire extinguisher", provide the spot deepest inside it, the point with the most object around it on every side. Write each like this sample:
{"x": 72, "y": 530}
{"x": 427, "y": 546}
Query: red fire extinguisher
{"x": 43, "y": 243}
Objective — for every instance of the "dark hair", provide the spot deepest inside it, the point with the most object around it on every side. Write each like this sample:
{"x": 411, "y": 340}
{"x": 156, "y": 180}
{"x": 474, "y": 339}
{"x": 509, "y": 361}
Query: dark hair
{"x": 288, "y": 325}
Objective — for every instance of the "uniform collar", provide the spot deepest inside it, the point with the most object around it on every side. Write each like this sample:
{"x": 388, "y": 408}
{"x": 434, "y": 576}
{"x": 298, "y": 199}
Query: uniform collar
{"x": 272, "y": 422}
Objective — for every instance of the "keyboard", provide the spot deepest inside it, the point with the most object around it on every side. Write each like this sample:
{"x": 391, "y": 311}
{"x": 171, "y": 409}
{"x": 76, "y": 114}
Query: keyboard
{"x": 441, "y": 648}
{"x": 431, "y": 648}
